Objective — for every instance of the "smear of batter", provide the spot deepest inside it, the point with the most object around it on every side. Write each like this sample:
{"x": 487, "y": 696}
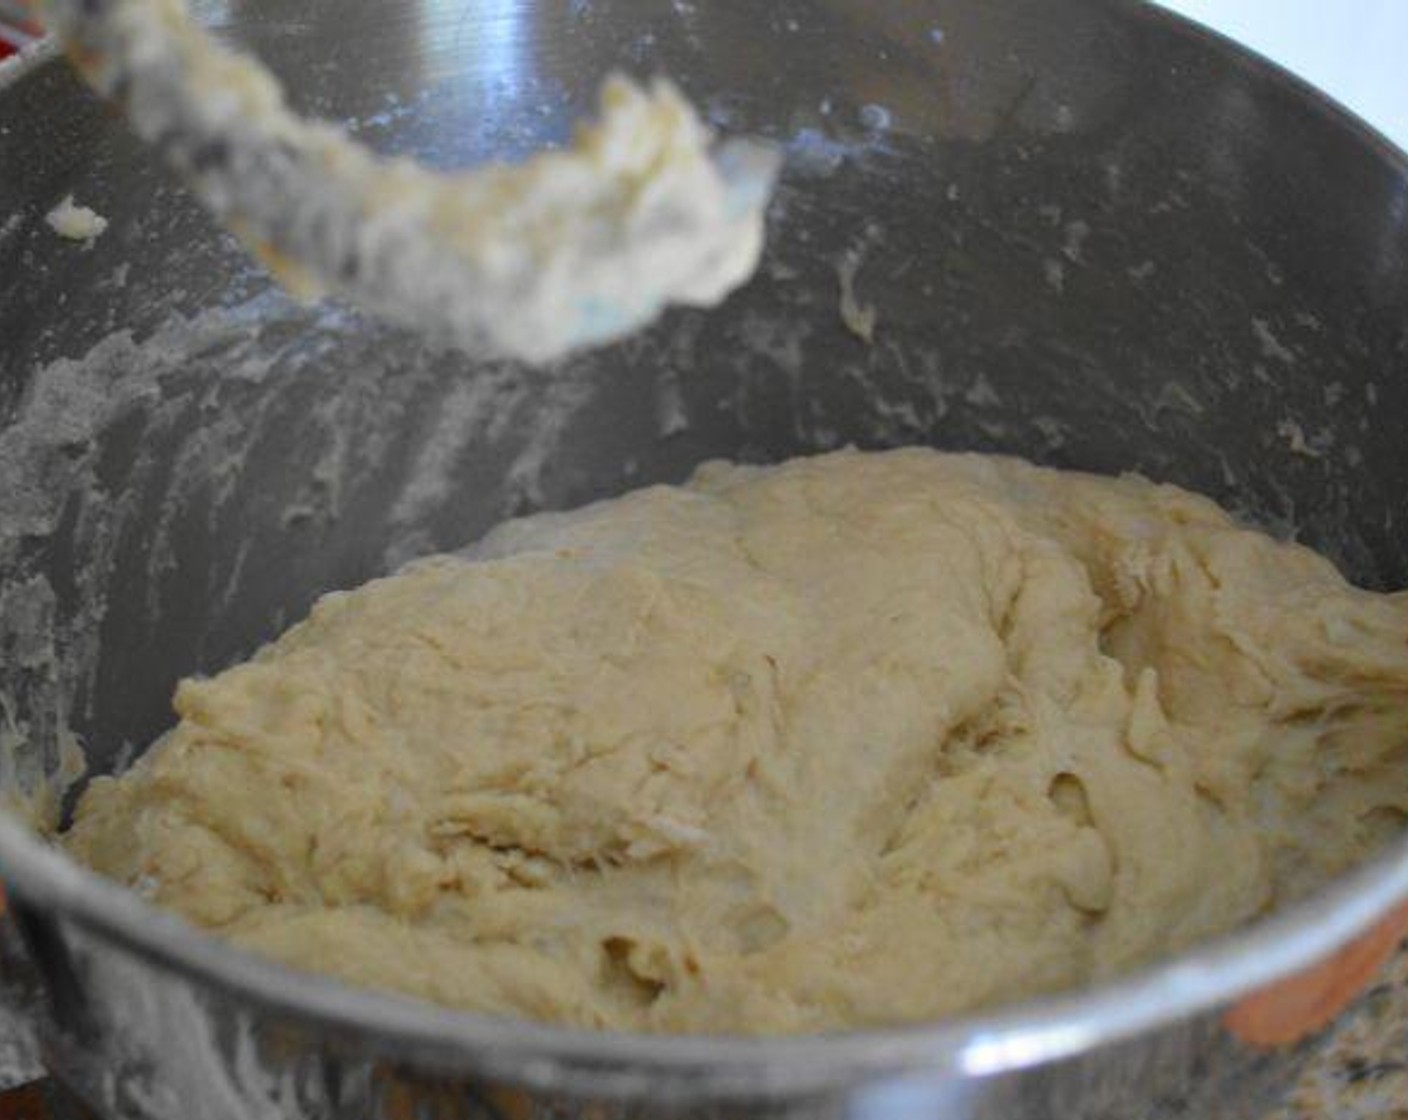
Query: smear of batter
{"x": 861, "y": 739}
{"x": 859, "y": 318}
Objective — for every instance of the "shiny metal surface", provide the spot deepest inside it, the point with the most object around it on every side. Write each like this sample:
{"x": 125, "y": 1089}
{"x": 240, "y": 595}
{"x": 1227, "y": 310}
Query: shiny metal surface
{"x": 1091, "y": 235}
{"x": 17, "y": 27}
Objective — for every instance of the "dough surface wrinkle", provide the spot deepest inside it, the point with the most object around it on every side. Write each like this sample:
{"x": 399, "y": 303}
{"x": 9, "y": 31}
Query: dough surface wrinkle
{"x": 860, "y": 739}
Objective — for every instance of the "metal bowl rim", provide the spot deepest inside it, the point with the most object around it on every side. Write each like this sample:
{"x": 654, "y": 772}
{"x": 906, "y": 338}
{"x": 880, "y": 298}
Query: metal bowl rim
{"x": 1217, "y": 972}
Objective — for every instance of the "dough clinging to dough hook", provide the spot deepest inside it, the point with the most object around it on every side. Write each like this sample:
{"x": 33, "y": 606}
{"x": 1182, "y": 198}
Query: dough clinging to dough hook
{"x": 572, "y": 248}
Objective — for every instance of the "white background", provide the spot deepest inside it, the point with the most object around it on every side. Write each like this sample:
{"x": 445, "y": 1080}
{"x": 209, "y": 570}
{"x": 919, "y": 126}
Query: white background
{"x": 1356, "y": 50}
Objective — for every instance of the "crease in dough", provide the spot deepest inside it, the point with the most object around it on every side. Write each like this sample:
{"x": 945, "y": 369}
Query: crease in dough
{"x": 859, "y": 739}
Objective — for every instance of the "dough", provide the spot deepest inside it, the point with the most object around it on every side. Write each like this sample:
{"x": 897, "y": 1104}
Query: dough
{"x": 573, "y": 247}
{"x": 860, "y": 739}
{"x": 76, "y": 223}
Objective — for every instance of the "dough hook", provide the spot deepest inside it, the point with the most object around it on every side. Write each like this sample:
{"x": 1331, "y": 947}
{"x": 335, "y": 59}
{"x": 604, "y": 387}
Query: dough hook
{"x": 569, "y": 249}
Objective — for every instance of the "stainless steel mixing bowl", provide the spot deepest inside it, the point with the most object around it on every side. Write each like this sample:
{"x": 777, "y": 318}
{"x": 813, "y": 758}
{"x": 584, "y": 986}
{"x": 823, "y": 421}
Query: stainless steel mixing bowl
{"x": 1090, "y": 234}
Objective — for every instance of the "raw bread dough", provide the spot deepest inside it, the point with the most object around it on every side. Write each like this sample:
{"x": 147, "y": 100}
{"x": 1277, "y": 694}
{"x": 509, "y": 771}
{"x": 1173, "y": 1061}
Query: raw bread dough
{"x": 76, "y": 223}
{"x": 860, "y": 739}
{"x": 573, "y": 247}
